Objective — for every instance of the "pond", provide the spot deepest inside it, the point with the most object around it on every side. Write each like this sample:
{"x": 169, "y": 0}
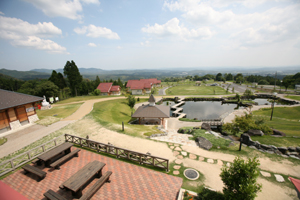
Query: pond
{"x": 204, "y": 109}
{"x": 211, "y": 109}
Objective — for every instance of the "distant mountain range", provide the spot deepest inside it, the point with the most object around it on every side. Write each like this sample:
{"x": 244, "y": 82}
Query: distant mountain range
{"x": 125, "y": 75}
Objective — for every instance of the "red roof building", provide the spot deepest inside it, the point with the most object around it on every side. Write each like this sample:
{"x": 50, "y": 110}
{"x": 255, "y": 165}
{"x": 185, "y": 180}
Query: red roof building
{"x": 142, "y": 85}
{"x": 109, "y": 89}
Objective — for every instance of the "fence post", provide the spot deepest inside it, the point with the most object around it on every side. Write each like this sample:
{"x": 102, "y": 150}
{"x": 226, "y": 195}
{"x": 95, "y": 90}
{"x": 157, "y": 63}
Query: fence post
{"x": 122, "y": 126}
{"x": 12, "y": 164}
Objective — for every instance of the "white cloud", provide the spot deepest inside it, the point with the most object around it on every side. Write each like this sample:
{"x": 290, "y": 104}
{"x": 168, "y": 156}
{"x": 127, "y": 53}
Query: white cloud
{"x": 172, "y": 28}
{"x": 24, "y": 34}
{"x": 91, "y": 2}
{"x": 1, "y": 13}
{"x": 146, "y": 43}
{"x": 273, "y": 23}
{"x": 92, "y": 45}
{"x": 62, "y": 8}
{"x": 119, "y": 47}
{"x": 97, "y": 31}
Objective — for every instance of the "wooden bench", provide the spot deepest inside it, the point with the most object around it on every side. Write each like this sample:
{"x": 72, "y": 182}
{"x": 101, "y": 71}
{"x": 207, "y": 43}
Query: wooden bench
{"x": 78, "y": 180}
{"x": 88, "y": 194}
{"x": 40, "y": 173}
{"x": 50, "y": 194}
{"x": 57, "y": 163}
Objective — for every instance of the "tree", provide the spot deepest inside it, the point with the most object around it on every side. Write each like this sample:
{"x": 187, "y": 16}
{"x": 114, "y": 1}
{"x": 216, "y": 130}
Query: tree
{"x": 48, "y": 89}
{"x": 287, "y": 81}
{"x": 131, "y": 101}
{"x": 240, "y": 179}
{"x": 219, "y": 77}
{"x": 58, "y": 79}
{"x": 229, "y": 77}
{"x": 97, "y": 81}
{"x": 239, "y": 78}
{"x": 73, "y": 75}
{"x": 248, "y": 93}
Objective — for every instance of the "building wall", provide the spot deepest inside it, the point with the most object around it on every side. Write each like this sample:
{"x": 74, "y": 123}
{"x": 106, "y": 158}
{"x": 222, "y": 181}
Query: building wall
{"x": 137, "y": 92}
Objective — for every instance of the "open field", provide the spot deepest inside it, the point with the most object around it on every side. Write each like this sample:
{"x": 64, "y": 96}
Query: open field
{"x": 61, "y": 111}
{"x": 111, "y": 114}
{"x": 80, "y": 98}
{"x": 293, "y": 97}
{"x": 191, "y": 89}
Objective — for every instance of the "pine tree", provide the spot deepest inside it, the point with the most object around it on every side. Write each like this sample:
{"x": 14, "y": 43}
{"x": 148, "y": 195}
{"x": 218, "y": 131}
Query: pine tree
{"x": 73, "y": 75}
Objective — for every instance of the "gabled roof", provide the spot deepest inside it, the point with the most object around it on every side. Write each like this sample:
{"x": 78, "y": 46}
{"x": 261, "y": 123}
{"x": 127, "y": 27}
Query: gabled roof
{"x": 148, "y": 111}
{"x": 137, "y": 85}
{"x": 104, "y": 87}
{"x": 115, "y": 88}
{"x": 130, "y": 82}
{"x": 147, "y": 85}
{"x": 296, "y": 183}
{"x": 151, "y": 99}
{"x": 9, "y": 99}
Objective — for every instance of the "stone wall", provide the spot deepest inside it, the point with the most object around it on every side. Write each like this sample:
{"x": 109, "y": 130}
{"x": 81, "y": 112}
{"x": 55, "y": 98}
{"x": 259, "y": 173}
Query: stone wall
{"x": 293, "y": 152}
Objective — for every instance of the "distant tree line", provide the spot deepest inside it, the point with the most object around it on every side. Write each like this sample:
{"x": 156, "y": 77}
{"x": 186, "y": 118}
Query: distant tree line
{"x": 65, "y": 85}
{"x": 286, "y": 81}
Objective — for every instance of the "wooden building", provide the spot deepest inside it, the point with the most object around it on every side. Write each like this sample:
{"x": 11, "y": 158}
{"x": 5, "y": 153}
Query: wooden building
{"x": 16, "y": 109}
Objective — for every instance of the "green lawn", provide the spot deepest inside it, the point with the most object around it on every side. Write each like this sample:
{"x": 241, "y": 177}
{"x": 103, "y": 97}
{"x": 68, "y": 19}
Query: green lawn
{"x": 81, "y": 98}
{"x": 111, "y": 114}
{"x": 191, "y": 89}
{"x": 2, "y": 140}
{"x": 294, "y": 97}
{"x": 285, "y": 119}
{"x": 62, "y": 111}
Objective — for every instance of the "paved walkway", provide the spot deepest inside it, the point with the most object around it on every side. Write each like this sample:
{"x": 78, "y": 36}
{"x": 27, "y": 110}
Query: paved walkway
{"x": 177, "y": 138}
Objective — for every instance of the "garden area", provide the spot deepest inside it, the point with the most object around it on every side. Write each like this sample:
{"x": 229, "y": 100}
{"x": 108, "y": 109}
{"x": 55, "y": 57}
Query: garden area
{"x": 191, "y": 89}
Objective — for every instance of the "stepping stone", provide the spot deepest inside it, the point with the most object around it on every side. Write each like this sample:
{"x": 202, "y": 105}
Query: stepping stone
{"x": 171, "y": 144}
{"x": 192, "y": 156}
{"x": 178, "y": 162}
{"x": 220, "y": 162}
{"x": 180, "y": 157}
{"x": 201, "y": 158}
{"x": 177, "y": 145}
{"x": 265, "y": 174}
{"x": 176, "y": 166}
{"x": 178, "y": 149}
{"x": 210, "y": 161}
{"x": 184, "y": 153}
{"x": 228, "y": 164}
{"x": 172, "y": 147}
{"x": 175, "y": 153}
{"x": 279, "y": 178}
{"x": 176, "y": 172}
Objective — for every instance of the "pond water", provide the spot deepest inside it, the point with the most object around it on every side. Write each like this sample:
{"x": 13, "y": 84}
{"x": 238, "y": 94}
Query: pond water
{"x": 210, "y": 109}
{"x": 204, "y": 109}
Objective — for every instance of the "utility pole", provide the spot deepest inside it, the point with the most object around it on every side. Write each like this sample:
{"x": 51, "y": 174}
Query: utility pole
{"x": 275, "y": 80}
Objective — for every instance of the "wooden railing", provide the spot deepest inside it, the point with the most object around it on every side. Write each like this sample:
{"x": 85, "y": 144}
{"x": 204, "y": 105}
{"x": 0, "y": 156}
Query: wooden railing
{"x": 141, "y": 158}
{"x": 19, "y": 160}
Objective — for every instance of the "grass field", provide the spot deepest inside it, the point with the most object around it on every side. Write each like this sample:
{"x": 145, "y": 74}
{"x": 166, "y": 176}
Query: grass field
{"x": 285, "y": 119}
{"x": 80, "y": 98}
{"x": 294, "y": 97}
{"x": 191, "y": 89}
{"x": 2, "y": 140}
{"x": 58, "y": 112}
{"x": 111, "y": 114}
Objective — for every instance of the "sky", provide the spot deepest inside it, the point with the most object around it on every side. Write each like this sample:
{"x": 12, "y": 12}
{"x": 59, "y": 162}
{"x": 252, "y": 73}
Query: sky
{"x": 149, "y": 34}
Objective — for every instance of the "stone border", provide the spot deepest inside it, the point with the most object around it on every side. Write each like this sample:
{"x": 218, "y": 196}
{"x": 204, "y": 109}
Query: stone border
{"x": 191, "y": 178}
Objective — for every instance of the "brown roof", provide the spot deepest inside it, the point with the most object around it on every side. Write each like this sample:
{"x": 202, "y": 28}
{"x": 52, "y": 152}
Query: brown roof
{"x": 9, "y": 99}
{"x": 104, "y": 87}
{"x": 115, "y": 88}
{"x": 151, "y": 99}
{"x": 157, "y": 111}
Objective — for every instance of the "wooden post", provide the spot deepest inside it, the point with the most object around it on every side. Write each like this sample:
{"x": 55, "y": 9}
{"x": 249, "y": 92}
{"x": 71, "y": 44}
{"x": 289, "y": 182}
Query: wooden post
{"x": 122, "y": 126}
{"x": 241, "y": 143}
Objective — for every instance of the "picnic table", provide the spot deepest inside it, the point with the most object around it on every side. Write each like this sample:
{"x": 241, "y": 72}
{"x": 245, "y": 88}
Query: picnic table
{"x": 76, "y": 182}
{"x": 45, "y": 158}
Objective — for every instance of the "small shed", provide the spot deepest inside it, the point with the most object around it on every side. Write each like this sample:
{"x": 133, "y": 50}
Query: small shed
{"x": 16, "y": 109}
{"x": 151, "y": 113}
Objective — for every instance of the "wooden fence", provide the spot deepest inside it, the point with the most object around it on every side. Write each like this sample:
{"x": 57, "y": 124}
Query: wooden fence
{"x": 141, "y": 158}
{"x": 19, "y": 160}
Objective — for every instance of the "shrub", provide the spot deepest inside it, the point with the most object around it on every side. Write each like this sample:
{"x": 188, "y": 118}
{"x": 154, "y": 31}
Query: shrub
{"x": 240, "y": 179}
{"x": 207, "y": 194}
{"x": 263, "y": 82}
{"x": 96, "y": 92}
